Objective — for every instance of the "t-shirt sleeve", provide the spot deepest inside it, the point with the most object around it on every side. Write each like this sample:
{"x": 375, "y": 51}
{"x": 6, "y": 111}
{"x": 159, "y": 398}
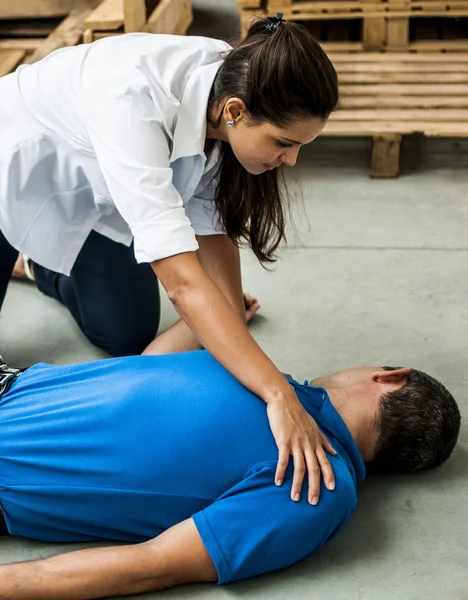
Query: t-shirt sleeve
{"x": 134, "y": 156}
{"x": 256, "y": 528}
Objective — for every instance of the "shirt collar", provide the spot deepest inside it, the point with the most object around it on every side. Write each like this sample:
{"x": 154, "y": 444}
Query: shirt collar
{"x": 318, "y": 404}
{"x": 190, "y": 129}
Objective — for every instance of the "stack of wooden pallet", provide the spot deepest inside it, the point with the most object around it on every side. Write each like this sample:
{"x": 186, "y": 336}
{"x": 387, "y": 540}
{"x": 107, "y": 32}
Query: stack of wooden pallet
{"x": 373, "y": 24}
{"x": 30, "y": 29}
{"x": 113, "y": 17}
{"x": 417, "y": 82}
{"x": 389, "y": 95}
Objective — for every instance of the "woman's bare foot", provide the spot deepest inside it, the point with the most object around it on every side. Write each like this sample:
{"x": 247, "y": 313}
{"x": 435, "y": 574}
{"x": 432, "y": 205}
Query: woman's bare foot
{"x": 23, "y": 268}
{"x": 252, "y": 305}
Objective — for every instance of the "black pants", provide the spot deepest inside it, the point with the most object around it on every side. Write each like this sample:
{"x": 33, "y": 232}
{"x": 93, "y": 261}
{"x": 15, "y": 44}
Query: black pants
{"x": 114, "y": 300}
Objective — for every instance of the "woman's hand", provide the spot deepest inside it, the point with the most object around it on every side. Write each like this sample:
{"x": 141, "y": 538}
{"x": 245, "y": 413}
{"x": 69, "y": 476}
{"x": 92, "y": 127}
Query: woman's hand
{"x": 252, "y": 305}
{"x": 297, "y": 434}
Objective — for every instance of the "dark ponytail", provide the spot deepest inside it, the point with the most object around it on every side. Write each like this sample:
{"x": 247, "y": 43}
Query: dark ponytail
{"x": 282, "y": 74}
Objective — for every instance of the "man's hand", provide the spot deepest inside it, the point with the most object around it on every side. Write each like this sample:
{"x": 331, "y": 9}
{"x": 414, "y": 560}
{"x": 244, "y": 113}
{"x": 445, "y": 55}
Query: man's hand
{"x": 175, "y": 557}
{"x": 252, "y": 305}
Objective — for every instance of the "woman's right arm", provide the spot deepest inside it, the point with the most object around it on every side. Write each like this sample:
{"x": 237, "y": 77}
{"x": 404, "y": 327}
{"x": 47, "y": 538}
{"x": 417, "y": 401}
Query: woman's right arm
{"x": 220, "y": 330}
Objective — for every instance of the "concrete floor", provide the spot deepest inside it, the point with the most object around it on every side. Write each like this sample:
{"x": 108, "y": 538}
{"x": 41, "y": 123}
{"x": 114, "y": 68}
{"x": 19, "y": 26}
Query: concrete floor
{"x": 375, "y": 273}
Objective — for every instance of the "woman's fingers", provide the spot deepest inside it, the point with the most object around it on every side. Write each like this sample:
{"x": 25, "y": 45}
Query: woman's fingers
{"x": 297, "y": 434}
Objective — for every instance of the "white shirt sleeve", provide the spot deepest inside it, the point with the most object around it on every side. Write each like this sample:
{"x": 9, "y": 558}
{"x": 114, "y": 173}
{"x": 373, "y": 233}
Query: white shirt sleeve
{"x": 203, "y": 216}
{"x": 134, "y": 156}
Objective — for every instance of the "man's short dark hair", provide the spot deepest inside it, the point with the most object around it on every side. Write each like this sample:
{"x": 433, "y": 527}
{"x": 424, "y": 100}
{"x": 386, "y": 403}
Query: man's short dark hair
{"x": 419, "y": 426}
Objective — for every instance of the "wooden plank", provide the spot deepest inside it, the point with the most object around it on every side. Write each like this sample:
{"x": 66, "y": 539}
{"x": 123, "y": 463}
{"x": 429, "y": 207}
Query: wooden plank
{"x": 366, "y": 128}
{"x": 26, "y": 44}
{"x": 386, "y": 156}
{"x": 30, "y": 9}
{"x": 396, "y": 77}
{"x": 68, "y": 33}
{"x": 342, "y": 47}
{"x": 249, "y": 3}
{"x": 348, "y": 102}
{"x": 134, "y": 15}
{"x": 374, "y": 33}
{"x": 424, "y": 114}
{"x": 9, "y": 60}
{"x": 370, "y": 57}
{"x": 274, "y": 6}
{"x": 296, "y": 15}
{"x": 170, "y": 16}
{"x": 108, "y": 15}
{"x": 397, "y": 33}
{"x": 440, "y": 45}
{"x": 406, "y": 89}
{"x": 401, "y": 67}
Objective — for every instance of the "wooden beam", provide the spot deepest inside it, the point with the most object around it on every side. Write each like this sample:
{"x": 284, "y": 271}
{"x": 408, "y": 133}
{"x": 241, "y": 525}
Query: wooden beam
{"x": 366, "y": 128}
{"x": 397, "y": 77}
{"x": 108, "y": 15}
{"x": 30, "y": 9}
{"x": 134, "y": 15}
{"x": 406, "y": 89}
{"x": 436, "y": 115}
{"x": 397, "y": 56}
{"x": 28, "y": 44}
{"x": 9, "y": 60}
{"x": 401, "y": 67}
{"x": 68, "y": 33}
{"x": 386, "y": 156}
{"x": 171, "y": 16}
{"x": 392, "y": 102}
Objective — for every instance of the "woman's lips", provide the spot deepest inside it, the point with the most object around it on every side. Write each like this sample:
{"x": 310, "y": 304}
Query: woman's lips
{"x": 268, "y": 167}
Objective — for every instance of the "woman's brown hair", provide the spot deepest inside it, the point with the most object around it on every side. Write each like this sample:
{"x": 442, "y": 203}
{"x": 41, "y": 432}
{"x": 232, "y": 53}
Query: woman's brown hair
{"x": 282, "y": 74}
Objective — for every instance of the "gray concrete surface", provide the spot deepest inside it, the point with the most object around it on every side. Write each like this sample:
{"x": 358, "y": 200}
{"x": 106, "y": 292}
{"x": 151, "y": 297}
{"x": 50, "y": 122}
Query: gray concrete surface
{"x": 376, "y": 273}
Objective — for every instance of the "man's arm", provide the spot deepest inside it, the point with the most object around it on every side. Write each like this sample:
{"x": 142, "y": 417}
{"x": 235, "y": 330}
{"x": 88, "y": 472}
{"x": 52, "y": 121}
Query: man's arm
{"x": 175, "y": 557}
{"x": 220, "y": 259}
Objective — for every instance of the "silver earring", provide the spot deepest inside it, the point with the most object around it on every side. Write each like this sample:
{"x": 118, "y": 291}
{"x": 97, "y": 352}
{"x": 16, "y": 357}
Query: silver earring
{"x": 229, "y": 123}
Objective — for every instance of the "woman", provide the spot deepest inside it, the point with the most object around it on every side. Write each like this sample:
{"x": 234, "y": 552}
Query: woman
{"x": 165, "y": 148}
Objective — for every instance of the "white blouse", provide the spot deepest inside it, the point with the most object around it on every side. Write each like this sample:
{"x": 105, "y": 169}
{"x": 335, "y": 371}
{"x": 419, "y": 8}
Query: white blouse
{"x": 109, "y": 137}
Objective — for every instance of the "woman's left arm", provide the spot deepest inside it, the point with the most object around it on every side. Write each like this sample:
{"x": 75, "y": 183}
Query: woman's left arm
{"x": 220, "y": 259}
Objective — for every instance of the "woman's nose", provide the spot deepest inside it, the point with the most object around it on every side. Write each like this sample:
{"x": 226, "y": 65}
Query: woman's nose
{"x": 289, "y": 157}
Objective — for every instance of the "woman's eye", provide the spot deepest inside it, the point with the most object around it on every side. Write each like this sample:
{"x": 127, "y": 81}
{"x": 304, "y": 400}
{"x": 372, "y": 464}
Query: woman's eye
{"x": 283, "y": 144}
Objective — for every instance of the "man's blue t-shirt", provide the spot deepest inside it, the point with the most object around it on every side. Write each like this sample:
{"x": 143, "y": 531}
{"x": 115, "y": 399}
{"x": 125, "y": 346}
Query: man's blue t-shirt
{"x": 122, "y": 449}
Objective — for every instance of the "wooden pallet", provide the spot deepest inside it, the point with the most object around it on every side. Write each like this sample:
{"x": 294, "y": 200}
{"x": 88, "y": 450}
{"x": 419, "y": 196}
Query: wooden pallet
{"x": 392, "y": 25}
{"x": 27, "y": 41}
{"x": 114, "y": 17}
{"x": 387, "y": 96}
{"x": 32, "y": 9}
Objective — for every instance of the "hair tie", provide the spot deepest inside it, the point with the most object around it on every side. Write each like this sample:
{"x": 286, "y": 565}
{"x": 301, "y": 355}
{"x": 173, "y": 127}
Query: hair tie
{"x": 275, "y": 22}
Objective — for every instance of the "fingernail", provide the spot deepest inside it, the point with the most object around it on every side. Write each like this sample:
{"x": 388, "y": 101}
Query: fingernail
{"x": 296, "y": 497}
{"x": 331, "y": 486}
{"x": 314, "y": 501}
{"x": 278, "y": 482}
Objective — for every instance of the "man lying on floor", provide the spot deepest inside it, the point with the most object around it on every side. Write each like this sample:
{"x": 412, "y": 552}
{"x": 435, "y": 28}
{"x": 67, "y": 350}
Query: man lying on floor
{"x": 172, "y": 449}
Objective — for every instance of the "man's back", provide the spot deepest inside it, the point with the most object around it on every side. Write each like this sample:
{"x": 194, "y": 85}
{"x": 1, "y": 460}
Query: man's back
{"x": 123, "y": 449}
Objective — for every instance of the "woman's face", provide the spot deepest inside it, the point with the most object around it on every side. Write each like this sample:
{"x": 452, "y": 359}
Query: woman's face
{"x": 264, "y": 147}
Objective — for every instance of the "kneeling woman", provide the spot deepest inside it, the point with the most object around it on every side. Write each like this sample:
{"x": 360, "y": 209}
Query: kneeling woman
{"x": 165, "y": 149}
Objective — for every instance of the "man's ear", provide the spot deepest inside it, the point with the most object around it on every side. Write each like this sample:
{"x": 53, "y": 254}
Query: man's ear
{"x": 397, "y": 377}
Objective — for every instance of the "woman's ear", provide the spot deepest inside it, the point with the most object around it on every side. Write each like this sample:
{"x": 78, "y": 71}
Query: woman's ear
{"x": 234, "y": 109}
{"x": 397, "y": 376}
